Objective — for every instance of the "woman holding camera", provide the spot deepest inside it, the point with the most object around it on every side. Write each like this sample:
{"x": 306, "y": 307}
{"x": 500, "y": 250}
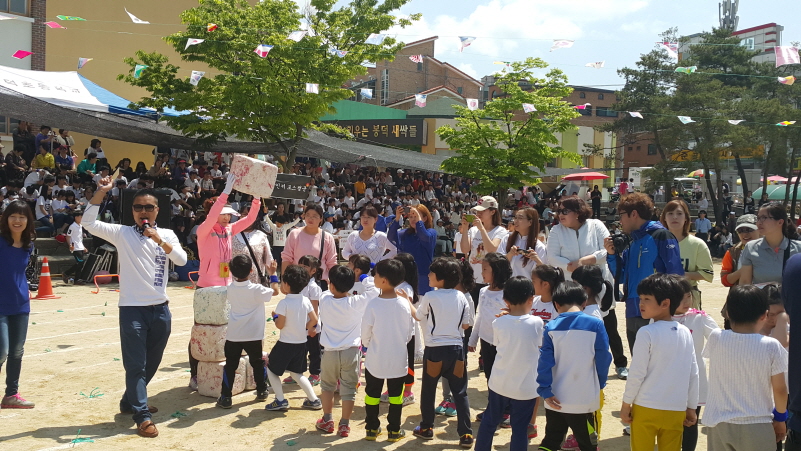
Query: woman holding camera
{"x": 763, "y": 259}
{"x": 522, "y": 247}
{"x": 577, "y": 241}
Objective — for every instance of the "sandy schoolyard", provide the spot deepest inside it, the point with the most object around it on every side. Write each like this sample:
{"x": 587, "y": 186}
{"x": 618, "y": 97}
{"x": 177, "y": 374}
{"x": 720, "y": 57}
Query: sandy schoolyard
{"x": 72, "y": 370}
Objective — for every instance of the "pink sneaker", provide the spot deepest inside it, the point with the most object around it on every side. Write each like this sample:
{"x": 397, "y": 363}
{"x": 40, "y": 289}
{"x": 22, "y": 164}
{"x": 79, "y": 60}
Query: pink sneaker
{"x": 325, "y": 426}
{"x": 16, "y": 402}
{"x": 570, "y": 444}
{"x": 344, "y": 430}
{"x": 314, "y": 379}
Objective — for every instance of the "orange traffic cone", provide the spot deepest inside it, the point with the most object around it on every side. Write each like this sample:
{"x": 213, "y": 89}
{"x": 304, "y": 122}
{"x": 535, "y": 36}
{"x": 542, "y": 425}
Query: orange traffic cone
{"x": 45, "y": 284}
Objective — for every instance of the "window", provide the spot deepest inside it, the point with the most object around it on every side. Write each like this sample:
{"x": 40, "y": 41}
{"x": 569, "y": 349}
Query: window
{"x": 384, "y": 86}
{"x": 419, "y": 67}
{"x": 651, "y": 149}
{"x": 459, "y": 90}
{"x": 605, "y": 112}
{"x": 8, "y": 125}
{"x": 552, "y": 164}
{"x": 631, "y": 149}
{"x": 600, "y": 96}
{"x": 748, "y": 43}
{"x": 14, "y": 6}
{"x": 582, "y": 95}
{"x": 639, "y": 148}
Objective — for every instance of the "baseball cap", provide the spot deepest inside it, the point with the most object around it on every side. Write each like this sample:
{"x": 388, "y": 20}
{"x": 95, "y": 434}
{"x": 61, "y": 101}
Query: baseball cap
{"x": 749, "y": 221}
{"x": 486, "y": 202}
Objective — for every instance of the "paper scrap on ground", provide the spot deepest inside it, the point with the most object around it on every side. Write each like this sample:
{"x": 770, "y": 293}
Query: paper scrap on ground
{"x": 312, "y": 88}
{"x": 598, "y": 65}
{"x": 420, "y": 100}
{"x": 562, "y": 44}
{"x": 136, "y": 19}
{"x": 375, "y": 39}
{"x": 193, "y": 41}
{"x": 138, "y": 70}
{"x": 636, "y": 114}
{"x": 196, "y": 76}
{"x": 787, "y": 80}
{"x": 465, "y": 41}
{"x": 786, "y": 55}
{"x": 529, "y": 108}
{"x": 367, "y": 93}
{"x": 263, "y": 50}
{"x": 254, "y": 177}
{"x": 416, "y": 58}
{"x": 672, "y": 49}
{"x": 54, "y": 25}
{"x": 735, "y": 121}
{"x": 82, "y": 62}
{"x": 472, "y": 104}
{"x": 685, "y": 119}
{"x": 19, "y": 54}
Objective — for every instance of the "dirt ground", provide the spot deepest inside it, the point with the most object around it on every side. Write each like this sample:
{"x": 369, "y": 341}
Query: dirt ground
{"x": 72, "y": 371}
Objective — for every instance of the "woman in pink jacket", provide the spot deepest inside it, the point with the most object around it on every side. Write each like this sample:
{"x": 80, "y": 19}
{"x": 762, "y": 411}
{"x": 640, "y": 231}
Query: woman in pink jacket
{"x": 214, "y": 238}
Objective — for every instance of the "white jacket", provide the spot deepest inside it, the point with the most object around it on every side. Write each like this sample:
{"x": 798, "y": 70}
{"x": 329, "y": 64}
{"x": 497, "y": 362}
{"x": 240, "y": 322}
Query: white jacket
{"x": 566, "y": 245}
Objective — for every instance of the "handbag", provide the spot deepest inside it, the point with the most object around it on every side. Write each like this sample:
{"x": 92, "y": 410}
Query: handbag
{"x": 323, "y": 284}
{"x": 262, "y": 278}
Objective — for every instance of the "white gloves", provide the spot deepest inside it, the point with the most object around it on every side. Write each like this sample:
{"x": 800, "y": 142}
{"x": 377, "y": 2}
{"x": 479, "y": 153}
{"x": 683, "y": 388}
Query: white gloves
{"x": 229, "y": 185}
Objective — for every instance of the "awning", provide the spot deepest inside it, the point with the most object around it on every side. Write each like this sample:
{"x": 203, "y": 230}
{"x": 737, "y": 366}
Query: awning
{"x": 82, "y": 106}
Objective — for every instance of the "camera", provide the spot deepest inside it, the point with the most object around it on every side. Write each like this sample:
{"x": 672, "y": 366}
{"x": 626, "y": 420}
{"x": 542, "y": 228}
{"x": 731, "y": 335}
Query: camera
{"x": 621, "y": 241}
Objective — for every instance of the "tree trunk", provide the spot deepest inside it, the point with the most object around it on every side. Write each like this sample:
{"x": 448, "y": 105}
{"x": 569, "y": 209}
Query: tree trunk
{"x": 764, "y": 182}
{"x": 795, "y": 193}
{"x": 741, "y": 172}
{"x": 789, "y": 173}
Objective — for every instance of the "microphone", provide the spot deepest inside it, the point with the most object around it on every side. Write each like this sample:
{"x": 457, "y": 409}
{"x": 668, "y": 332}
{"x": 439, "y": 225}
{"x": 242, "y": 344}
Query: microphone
{"x": 145, "y": 224}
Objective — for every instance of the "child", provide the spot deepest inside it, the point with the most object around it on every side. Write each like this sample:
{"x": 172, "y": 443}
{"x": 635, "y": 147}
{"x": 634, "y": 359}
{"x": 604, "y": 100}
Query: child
{"x": 75, "y": 242}
{"x": 246, "y": 321}
{"x": 662, "y": 389}
{"x": 701, "y": 327}
{"x": 360, "y": 265}
{"x": 312, "y": 292}
{"x": 573, "y": 366}
{"x": 777, "y": 324}
{"x": 546, "y": 279}
{"x": 746, "y": 378}
{"x": 341, "y": 337}
{"x": 496, "y": 269}
{"x": 513, "y": 383}
{"x": 446, "y": 313}
{"x": 600, "y": 296}
{"x": 386, "y": 329}
{"x": 294, "y": 316}
{"x": 466, "y": 285}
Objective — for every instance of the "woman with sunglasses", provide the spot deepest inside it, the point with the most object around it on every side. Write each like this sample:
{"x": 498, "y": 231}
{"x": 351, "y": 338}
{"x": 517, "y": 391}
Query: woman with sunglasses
{"x": 763, "y": 259}
{"x": 748, "y": 231}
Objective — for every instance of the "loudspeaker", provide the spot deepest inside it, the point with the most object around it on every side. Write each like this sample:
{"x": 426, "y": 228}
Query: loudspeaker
{"x": 126, "y": 207}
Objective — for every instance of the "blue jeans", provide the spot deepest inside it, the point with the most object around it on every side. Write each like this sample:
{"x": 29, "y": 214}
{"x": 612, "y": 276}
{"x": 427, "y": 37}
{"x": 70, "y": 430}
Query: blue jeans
{"x": 144, "y": 332}
{"x": 13, "y": 330}
{"x": 520, "y": 415}
{"x": 46, "y": 226}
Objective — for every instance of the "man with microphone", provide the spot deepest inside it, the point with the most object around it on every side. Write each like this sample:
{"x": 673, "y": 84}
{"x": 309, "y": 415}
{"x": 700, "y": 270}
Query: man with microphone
{"x": 145, "y": 319}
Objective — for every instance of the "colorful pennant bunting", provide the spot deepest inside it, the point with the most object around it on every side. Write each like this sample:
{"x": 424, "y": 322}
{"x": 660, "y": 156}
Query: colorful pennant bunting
{"x": 193, "y": 41}
{"x": 19, "y": 54}
{"x": 472, "y": 104}
{"x": 312, "y": 88}
{"x": 529, "y": 108}
{"x": 420, "y": 100}
{"x": 686, "y": 70}
{"x": 787, "y": 80}
{"x": 70, "y": 18}
{"x": 375, "y": 39}
{"x": 582, "y": 107}
{"x": 263, "y": 50}
{"x": 135, "y": 19}
{"x": 195, "y": 77}
{"x": 211, "y": 27}
{"x": 786, "y": 55}
{"x": 636, "y": 114}
{"x": 366, "y": 93}
{"x": 685, "y": 119}
{"x": 138, "y": 70}
{"x": 785, "y": 123}
{"x": 735, "y": 121}
{"x": 672, "y": 49}
{"x": 82, "y": 62}
{"x": 562, "y": 44}
{"x": 416, "y": 58}
{"x": 465, "y": 41}
{"x": 54, "y": 25}
{"x": 598, "y": 65}
{"x": 297, "y": 35}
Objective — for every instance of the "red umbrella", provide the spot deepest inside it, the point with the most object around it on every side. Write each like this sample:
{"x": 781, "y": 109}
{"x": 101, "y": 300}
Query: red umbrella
{"x": 585, "y": 176}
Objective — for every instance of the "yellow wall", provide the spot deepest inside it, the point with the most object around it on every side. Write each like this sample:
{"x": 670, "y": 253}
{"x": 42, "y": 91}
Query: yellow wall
{"x": 105, "y": 37}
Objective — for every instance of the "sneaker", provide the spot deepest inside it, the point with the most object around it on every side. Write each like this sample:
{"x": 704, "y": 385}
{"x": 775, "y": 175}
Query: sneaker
{"x": 396, "y": 436}
{"x": 289, "y": 380}
{"x": 384, "y": 397}
{"x": 450, "y": 410}
{"x": 408, "y": 399}
{"x": 570, "y": 444}
{"x": 193, "y": 383}
{"x": 622, "y": 372}
{"x": 627, "y": 430}
{"x": 480, "y": 364}
{"x": 16, "y": 402}
{"x": 344, "y": 430}
{"x": 425, "y": 434}
{"x": 224, "y": 402}
{"x": 277, "y": 405}
{"x": 313, "y": 405}
{"x": 506, "y": 423}
{"x": 325, "y": 426}
{"x": 262, "y": 395}
{"x": 373, "y": 434}
{"x": 466, "y": 441}
{"x": 440, "y": 409}
{"x": 479, "y": 416}
{"x": 314, "y": 379}
{"x": 532, "y": 431}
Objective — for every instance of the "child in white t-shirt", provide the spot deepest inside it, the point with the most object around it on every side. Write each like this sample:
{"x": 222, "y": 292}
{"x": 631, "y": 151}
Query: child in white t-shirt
{"x": 295, "y": 317}
{"x": 546, "y": 278}
{"x": 360, "y": 265}
{"x": 312, "y": 292}
{"x": 246, "y": 321}
{"x": 746, "y": 378}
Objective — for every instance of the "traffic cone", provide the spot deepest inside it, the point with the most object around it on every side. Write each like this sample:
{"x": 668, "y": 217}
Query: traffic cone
{"x": 45, "y": 284}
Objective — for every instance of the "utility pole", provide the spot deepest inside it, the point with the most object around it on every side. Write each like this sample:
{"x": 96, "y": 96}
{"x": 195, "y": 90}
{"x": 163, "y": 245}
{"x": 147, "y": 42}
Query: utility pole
{"x": 728, "y": 14}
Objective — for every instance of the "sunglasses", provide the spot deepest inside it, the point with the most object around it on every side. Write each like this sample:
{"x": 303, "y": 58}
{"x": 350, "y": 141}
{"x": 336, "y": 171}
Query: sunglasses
{"x": 564, "y": 211}
{"x": 148, "y": 208}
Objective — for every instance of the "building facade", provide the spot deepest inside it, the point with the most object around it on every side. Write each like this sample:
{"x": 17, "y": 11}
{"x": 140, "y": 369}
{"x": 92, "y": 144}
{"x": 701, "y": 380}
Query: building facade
{"x": 762, "y": 38}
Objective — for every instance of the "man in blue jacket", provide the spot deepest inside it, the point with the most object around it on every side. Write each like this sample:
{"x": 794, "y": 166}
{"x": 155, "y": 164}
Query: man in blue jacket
{"x": 791, "y": 294}
{"x": 653, "y": 249}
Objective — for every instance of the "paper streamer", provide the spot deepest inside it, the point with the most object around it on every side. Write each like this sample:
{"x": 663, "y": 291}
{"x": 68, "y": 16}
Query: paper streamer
{"x": 70, "y": 18}
{"x": 582, "y": 107}
{"x": 562, "y": 44}
{"x": 420, "y": 100}
{"x": 672, "y": 49}
{"x": 685, "y": 119}
{"x": 375, "y": 39}
{"x": 785, "y": 123}
{"x": 263, "y": 50}
{"x": 735, "y": 121}
{"x": 19, "y": 54}
{"x": 686, "y": 70}
{"x": 211, "y": 27}
{"x": 297, "y": 35}
{"x": 312, "y": 88}
{"x": 786, "y": 55}
{"x": 635, "y": 114}
{"x": 193, "y": 41}
{"x": 82, "y": 62}
{"x": 465, "y": 41}
{"x": 367, "y": 93}
{"x": 136, "y": 19}
{"x": 598, "y": 65}
{"x": 138, "y": 70}
{"x": 529, "y": 108}
{"x": 416, "y": 58}
{"x": 54, "y": 25}
{"x": 195, "y": 77}
{"x": 787, "y": 80}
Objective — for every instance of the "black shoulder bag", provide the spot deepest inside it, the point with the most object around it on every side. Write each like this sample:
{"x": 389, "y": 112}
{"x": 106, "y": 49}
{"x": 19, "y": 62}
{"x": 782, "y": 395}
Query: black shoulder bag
{"x": 323, "y": 284}
{"x": 263, "y": 279}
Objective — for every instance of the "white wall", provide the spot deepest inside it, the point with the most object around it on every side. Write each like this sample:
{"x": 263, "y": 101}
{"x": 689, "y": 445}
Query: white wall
{"x": 15, "y": 35}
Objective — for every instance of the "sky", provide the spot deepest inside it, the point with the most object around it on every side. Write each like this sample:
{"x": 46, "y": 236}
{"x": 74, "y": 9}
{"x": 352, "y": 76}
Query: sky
{"x": 614, "y": 31}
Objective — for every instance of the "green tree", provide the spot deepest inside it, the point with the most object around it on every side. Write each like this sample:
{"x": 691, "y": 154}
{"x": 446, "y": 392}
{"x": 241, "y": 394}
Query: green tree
{"x": 500, "y": 146}
{"x": 260, "y": 99}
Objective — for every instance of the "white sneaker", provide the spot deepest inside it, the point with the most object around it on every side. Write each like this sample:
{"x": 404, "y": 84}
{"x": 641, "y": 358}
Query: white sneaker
{"x": 627, "y": 430}
{"x": 193, "y": 383}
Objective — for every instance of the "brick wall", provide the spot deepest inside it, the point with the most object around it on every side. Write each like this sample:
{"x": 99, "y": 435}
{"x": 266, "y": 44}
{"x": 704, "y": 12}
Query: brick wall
{"x": 38, "y": 34}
